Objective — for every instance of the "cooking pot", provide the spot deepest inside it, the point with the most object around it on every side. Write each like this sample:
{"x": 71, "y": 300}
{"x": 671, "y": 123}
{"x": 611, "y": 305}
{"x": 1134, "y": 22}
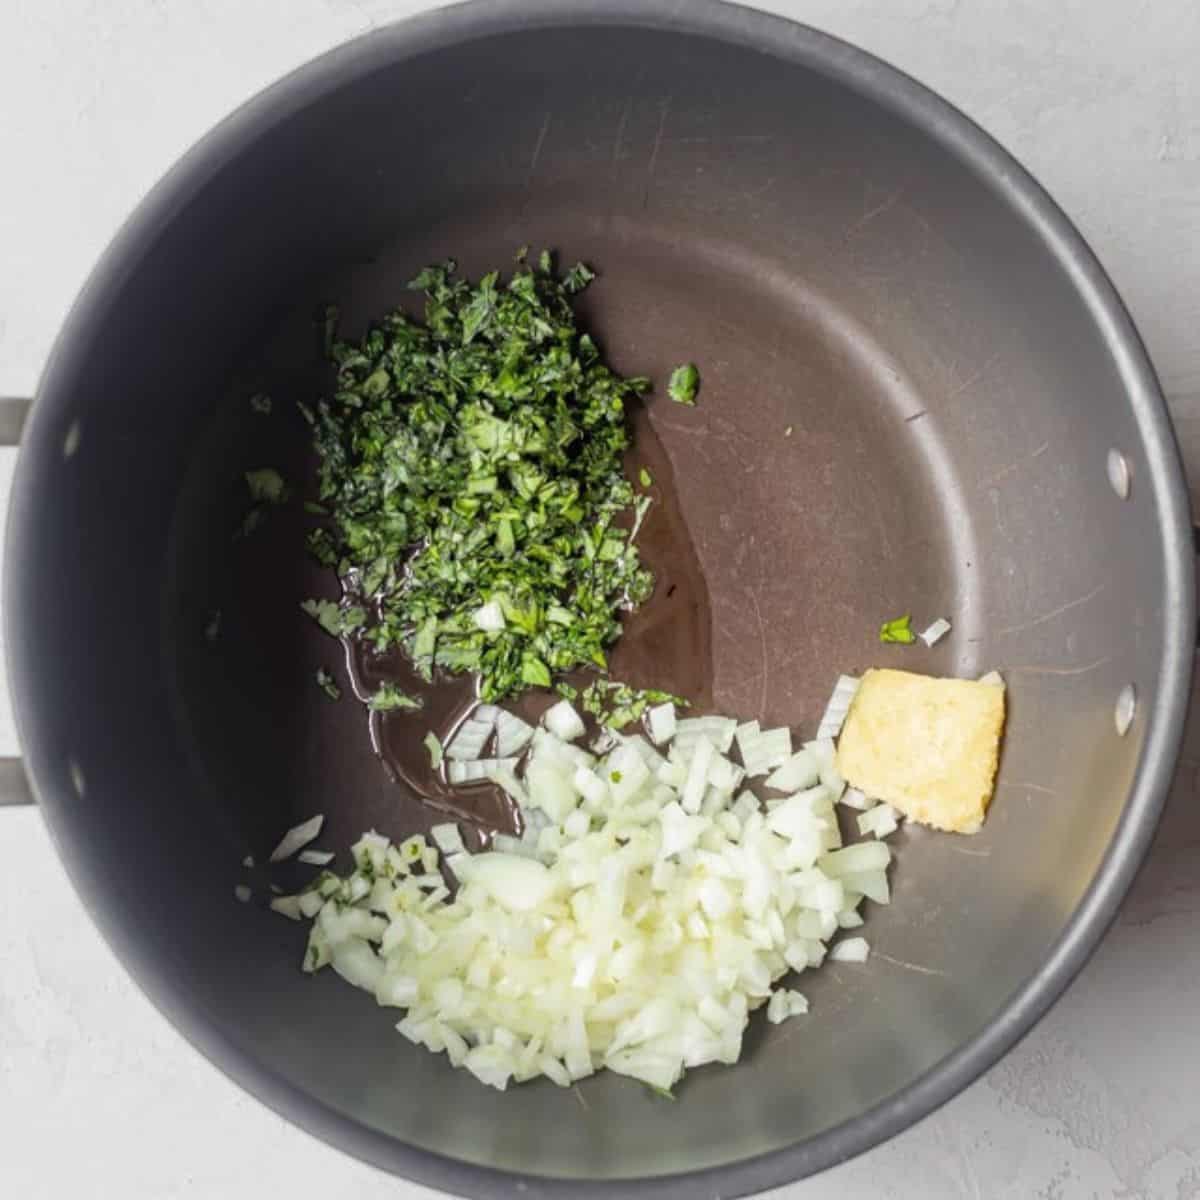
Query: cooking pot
{"x": 920, "y": 393}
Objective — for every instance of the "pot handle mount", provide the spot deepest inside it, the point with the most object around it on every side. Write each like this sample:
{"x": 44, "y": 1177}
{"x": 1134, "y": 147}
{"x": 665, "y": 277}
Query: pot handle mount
{"x": 14, "y": 783}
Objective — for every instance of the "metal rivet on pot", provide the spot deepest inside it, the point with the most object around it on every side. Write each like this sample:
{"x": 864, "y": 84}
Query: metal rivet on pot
{"x": 1126, "y": 707}
{"x": 71, "y": 441}
{"x": 1118, "y": 473}
{"x": 77, "y": 781}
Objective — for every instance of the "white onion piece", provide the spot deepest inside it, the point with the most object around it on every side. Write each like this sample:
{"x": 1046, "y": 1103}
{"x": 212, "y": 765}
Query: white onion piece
{"x": 316, "y": 858}
{"x": 784, "y": 1004}
{"x": 661, "y": 722}
{"x": 837, "y": 708}
{"x": 800, "y": 771}
{"x": 242, "y": 893}
{"x": 935, "y": 632}
{"x": 517, "y": 883}
{"x": 853, "y": 949}
{"x": 481, "y": 768}
{"x": 853, "y": 798}
{"x": 512, "y": 734}
{"x": 447, "y": 838}
{"x": 489, "y": 617}
{"x": 717, "y": 730}
{"x": 881, "y": 821}
{"x": 992, "y": 677}
{"x": 298, "y": 837}
{"x": 563, "y": 721}
{"x": 287, "y": 906}
{"x": 697, "y": 776}
{"x": 248, "y": 862}
{"x": 763, "y": 749}
{"x": 472, "y": 735}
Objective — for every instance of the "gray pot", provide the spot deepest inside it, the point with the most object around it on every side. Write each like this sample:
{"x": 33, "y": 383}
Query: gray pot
{"x": 846, "y": 255}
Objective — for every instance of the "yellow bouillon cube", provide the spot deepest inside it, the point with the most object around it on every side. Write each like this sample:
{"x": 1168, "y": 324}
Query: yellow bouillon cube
{"x": 929, "y": 747}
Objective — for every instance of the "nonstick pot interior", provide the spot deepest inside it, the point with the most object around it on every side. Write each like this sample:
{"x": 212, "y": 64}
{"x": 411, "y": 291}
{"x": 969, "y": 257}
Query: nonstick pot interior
{"x": 913, "y": 376}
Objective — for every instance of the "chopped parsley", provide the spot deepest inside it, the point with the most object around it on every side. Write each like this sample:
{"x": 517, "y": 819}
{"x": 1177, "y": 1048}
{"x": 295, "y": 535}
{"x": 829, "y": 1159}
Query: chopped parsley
{"x": 898, "y": 630}
{"x": 333, "y": 618}
{"x": 645, "y": 478}
{"x": 266, "y": 486}
{"x": 327, "y": 684}
{"x": 475, "y": 458}
{"x": 684, "y": 384}
{"x": 389, "y": 697}
{"x": 617, "y": 704}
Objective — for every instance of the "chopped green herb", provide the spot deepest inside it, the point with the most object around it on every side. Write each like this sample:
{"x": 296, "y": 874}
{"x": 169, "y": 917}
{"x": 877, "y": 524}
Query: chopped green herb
{"x": 329, "y": 324}
{"x": 212, "y": 630}
{"x": 260, "y": 403}
{"x": 475, "y": 459}
{"x": 434, "y": 746}
{"x": 314, "y": 509}
{"x": 327, "y": 684}
{"x": 390, "y": 697}
{"x": 645, "y": 478}
{"x": 578, "y": 277}
{"x": 334, "y": 619}
{"x": 250, "y": 522}
{"x": 615, "y": 776}
{"x": 899, "y": 630}
{"x": 684, "y": 384}
{"x": 617, "y": 704}
{"x": 266, "y": 486}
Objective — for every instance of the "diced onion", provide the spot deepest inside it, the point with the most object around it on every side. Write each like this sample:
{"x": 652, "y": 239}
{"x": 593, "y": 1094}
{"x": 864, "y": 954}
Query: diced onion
{"x": 661, "y": 722}
{"x": 802, "y": 770}
{"x": 935, "y": 632}
{"x": 472, "y": 735}
{"x": 763, "y": 749}
{"x": 447, "y": 837}
{"x": 838, "y": 706}
{"x": 641, "y": 917}
{"x": 242, "y": 892}
{"x": 717, "y": 730}
{"x": 512, "y": 734}
{"x": 992, "y": 677}
{"x": 481, "y": 768}
{"x": 564, "y": 722}
{"x": 298, "y": 837}
{"x": 316, "y": 858}
{"x": 853, "y": 949}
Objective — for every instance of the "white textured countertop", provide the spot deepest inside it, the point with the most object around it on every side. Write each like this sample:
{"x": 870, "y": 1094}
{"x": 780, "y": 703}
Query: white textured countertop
{"x": 1101, "y": 99}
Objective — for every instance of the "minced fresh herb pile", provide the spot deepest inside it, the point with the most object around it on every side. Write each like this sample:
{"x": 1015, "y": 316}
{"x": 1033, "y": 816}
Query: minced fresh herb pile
{"x": 471, "y": 468}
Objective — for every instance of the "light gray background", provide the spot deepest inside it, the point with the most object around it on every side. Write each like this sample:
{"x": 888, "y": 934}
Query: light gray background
{"x": 1100, "y": 99}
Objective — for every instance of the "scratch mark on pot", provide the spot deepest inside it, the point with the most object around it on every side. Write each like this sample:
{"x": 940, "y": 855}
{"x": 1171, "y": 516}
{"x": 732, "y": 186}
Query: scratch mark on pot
{"x": 541, "y": 141}
{"x": 1025, "y": 786}
{"x": 873, "y": 214}
{"x": 908, "y": 966}
{"x": 1063, "y": 671}
{"x": 663, "y": 109}
{"x": 617, "y": 141}
{"x": 970, "y": 853}
{"x": 1012, "y": 466}
{"x": 973, "y": 378}
{"x": 762, "y": 641}
{"x": 1033, "y": 622}
{"x": 915, "y": 416}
